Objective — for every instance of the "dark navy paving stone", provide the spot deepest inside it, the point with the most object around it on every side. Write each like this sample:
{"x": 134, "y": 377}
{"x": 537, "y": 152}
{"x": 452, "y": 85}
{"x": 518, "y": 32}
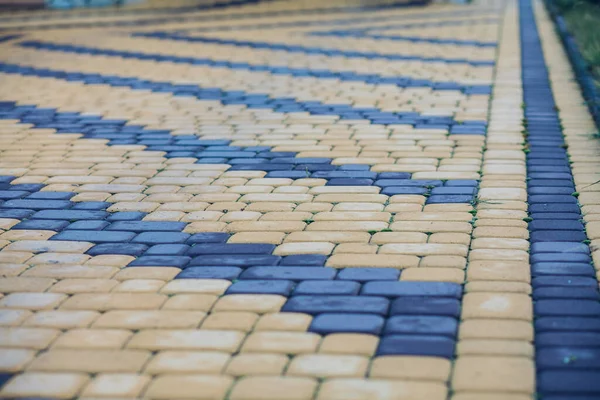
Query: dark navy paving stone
{"x": 413, "y": 345}
{"x": 231, "y": 248}
{"x": 38, "y": 204}
{"x": 559, "y": 247}
{"x": 569, "y": 381}
{"x": 425, "y": 306}
{"x": 142, "y": 226}
{"x": 160, "y": 261}
{"x": 130, "y": 249}
{"x": 91, "y": 205}
{"x": 167, "y": 249}
{"x": 208, "y": 237}
{"x": 555, "y": 224}
{"x": 396, "y": 190}
{"x": 95, "y": 236}
{"x": 568, "y": 357}
{"x": 290, "y": 273}
{"x": 555, "y": 198}
{"x": 4, "y": 378}
{"x": 421, "y": 325}
{"x": 577, "y": 324}
{"x": 152, "y": 238}
{"x": 126, "y": 216}
{"x": 51, "y": 196}
{"x": 91, "y": 225}
{"x": 561, "y": 292}
{"x": 235, "y": 260}
{"x": 551, "y": 182}
{"x": 554, "y": 208}
{"x": 347, "y": 323}
{"x": 412, "y": 288}
{"x": 229, "y": 273}
{"x": 337, "y": 304}
{"x": 555, "y": 216}
{"x": 549, "y": 190}
{"x": 71, "y": 215}
{"x": 41, "y": 224}
{"x": 340, "y": 288}
{"x": 458, "y": 190}
{"x": 309, "y": 260}
{"x": 557, "y": 236}
{"x": 580, "y": 308}
{"x": 566, "y": 281}
{"x": 365, "y": 274}
{"x": 564, "y": 268}
{"x": 279, "y": 287}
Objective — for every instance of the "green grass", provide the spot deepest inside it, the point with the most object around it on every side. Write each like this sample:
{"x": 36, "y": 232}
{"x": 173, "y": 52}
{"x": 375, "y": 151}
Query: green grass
{"x": 583, "y": 21}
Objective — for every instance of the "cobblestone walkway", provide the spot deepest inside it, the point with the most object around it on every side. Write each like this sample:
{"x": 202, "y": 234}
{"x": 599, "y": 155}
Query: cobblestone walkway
{"x": 295, "y": 200}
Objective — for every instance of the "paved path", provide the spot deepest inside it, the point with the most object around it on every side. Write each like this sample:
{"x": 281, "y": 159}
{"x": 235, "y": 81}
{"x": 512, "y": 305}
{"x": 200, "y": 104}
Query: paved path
{"x": 296, "y": 200}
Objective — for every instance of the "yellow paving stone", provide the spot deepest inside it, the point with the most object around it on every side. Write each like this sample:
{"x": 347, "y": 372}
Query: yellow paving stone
{"x": 11, "y": 270}
{"x": 72, "y": 286}
{"x": 45, "y": 384}
{"x": 61, "y": 319}
{"x": 379, "y": 389}
{"x": 139, "y": 285}
{"x": 501, "y": 329}
{"x": 32, "y": 338}
{"x": 433, "y": 274}
{"x": 398, "y": 237}
{"x": 11, "y": 317}
{"x": 283, "y": 322}
{"x": 281, "y": 342}
{"x": 91, "y": 361}
{"x": 200, "y": 387}
{"x": 32, "y": 301}
{"x": 116, "y": 385}
{"x": 187, "y": 362}
{"x": 149, "y": 319}
{"x": 487, "y": 347}
{"x": 199, "y": 302}
{"x": 490, "y": 396}
{"x": 372, "y": 260}
{"x": 450, "y": 238}
{"x": 497, "y": 305}
{"x": 204, "y": 286}
{"x": 70, "y": 272}
{"x": 424, "y": 249}
{"x": 13, "y": 360}
{"x": 93, "y": 339}
{"x": 494, "y": 373}
{"x": 24, "y": 284}
{"x": 499, "y": 286}
{"x": 410, "y": 368}
{"x": 41, "y": 246}
{"x": 329, "y": 236}
{"x": 328, "y": 366}
{"x": 304, "y": 248}
{"x": 257, "y": 237}
{"x": 249, "y": 364}
{"x": 163, "y": 339}
{"x": 135, "y": 273}
{"x": 274, "y": 388}
{"x": 114, "y": 301}
{"x": 112, "y": 260}
{"x": 239, "y": 321}
{"x": 256, "y": 303}
{"x": 349, "y": 343}
{"x": 14, "y": 257}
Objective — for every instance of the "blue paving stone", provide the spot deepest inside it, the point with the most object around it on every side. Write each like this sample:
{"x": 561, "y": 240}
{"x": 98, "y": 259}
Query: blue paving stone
{"x": 16, "y": 213}
{"x": 421, "y": 325}
{"x": 449, "y": 199}
{"x": 575, "y": 324}
{"x": 41, "y": 224}
{"x": 231, "y": 248}
{"x": 577, "y": 269}
{"x": 557, "y": 236}
{"x": 347, "y": 323}
{"x": 309, "y": 260}
{"x": 340, "y": 288}
{"x": 461, "y": 182}
{"x": 410, "y": 288}
{"x": 572, "y": 281}
{"x": 141, "y": 226}
{"x": 130, "y": 249}
{"x": 279, "y": 287}
{"x": 92, "y": 225}
{"x": 167, "y": 249}
{"x": 95, "y": 236}
{"x": 51, "y": 196}
{"x": 557, "y": 198}
{"x": 228, "y": 273}
{"x": 289, "y": 273}
{"x": 152, "y": 238}
{"x": 574, "y": 216}
{"x": 459, "y": 190}
{"x": 70, "y": 215}
{"x": 365, "y": 274}
{"x": 568, "y": 357}
{"x": 558, "y": 225}
{"x": 569, "y": 381}
{"x": 425, "y": 306}
{"x": 560, "y": 257}
{"x": 549, "y": 190}
{"x": 553, "y": 208}
{"x": 579, "y": 308}
{"x": 12, "y": 194}
{"x": 208, "y": 237}
{"x": 4, "y": 378}
{"x": 559, "y": 339}
{"x": 235, "y": 260}
{"x": 559, "y": 247}
{"x": 126, "y": 216}
{"x": 349, "y": 182}
{"x": 413, "y": 345}
{"x": 558, "y": 292}
{"x": 396, "y": 190}
{"x": 337, "y": 304}
{"x": 38, "y": 204}
{"x": 160, "y": 261}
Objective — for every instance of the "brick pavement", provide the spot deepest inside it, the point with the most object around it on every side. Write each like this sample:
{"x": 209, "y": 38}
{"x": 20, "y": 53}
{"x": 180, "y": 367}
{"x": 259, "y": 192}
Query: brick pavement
{"x": 296, "y": 200}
